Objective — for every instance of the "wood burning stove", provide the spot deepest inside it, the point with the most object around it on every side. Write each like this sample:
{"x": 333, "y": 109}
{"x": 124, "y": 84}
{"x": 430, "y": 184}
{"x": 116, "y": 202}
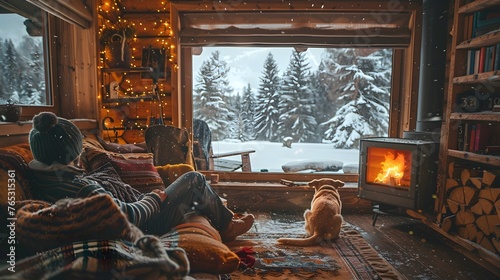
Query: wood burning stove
{"x": 417, "y": 152}
{"x": 398, "y": 171}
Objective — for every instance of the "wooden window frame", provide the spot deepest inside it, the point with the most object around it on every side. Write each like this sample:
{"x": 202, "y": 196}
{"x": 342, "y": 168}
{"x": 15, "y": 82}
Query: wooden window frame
{"x": 28, "y": 111}
{"x": 404, "y": 89}
{"x": 71, "y": 77}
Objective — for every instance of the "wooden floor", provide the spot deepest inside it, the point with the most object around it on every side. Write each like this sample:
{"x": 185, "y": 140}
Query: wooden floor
{"x": 416, "y": 250}
{"x": 412, "y": 247}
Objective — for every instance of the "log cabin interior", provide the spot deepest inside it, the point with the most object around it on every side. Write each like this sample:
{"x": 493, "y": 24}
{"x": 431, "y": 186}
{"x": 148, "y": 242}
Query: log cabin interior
{"x": 443, "y": 224}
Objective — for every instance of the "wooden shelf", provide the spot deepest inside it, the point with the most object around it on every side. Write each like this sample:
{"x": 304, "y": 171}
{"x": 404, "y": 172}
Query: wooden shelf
{"x": 129, "y": 99}
{"x": 483, "y": 78}
{"x": 477, "y": 5}
{"x": 487, "y": 39}
{"x": 484, "y": 159}
{"x": 127, "y": 70}
{"x": 480, "y": 116}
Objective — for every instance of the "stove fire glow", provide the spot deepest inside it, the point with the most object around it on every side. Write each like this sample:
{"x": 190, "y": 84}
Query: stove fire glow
{"x": 392, "y": 169}
{"x": 388, "y": 167}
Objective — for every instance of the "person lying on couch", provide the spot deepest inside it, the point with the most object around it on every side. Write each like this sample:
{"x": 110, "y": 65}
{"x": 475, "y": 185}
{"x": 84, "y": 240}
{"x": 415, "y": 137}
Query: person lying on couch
{"x": 56, "y": 145}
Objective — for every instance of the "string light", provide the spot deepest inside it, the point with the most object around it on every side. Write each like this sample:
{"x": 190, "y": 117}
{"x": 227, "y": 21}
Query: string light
{"x": 111, "y": 15}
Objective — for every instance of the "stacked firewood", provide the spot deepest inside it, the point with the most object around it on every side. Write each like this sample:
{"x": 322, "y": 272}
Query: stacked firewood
{"x": 472, "y": 206}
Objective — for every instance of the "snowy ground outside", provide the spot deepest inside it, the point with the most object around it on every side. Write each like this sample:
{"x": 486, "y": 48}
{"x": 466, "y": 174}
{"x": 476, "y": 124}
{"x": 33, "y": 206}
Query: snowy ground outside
{"x": 271, "y": 156}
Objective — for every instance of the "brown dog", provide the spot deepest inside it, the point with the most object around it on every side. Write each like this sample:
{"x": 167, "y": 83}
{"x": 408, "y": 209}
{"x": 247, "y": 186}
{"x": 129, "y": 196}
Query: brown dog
{"x": 324, "y": 219}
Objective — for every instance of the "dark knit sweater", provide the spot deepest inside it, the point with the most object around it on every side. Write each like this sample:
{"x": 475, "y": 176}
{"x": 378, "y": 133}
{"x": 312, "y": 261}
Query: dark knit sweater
{"x": 55, "y": 182}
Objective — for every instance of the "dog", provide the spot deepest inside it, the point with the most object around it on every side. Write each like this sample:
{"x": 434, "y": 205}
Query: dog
{"x": 324, "y": 220}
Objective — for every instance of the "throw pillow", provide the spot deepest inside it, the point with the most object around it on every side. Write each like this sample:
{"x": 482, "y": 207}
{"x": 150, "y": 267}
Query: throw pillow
{"x": 170, "y": 172}
{"x": 41, "y": 226}
{"x": 122, "y": 148}
{"x": 135, "y": 169}
{"x": 203, "y": 246}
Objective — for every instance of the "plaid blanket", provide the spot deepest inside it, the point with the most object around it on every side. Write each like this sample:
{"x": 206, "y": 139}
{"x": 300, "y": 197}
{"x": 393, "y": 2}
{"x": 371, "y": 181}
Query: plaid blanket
{"x": 104, "y": 259}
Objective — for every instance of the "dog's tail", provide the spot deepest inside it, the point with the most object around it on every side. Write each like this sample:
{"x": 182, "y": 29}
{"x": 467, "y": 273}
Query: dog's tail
{"x": 309, "y": 241}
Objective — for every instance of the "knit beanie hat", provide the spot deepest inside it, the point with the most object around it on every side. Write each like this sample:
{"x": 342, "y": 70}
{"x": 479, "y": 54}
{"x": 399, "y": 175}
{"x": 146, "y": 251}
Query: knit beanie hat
{"x": 54, "y": 140}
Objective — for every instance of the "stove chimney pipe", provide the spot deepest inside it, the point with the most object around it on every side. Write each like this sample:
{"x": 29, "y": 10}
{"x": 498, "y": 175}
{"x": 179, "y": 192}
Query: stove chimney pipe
{"x": 432, "y": 65}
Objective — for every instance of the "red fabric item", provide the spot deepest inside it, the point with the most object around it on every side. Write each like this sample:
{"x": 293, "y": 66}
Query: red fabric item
{"x": 246, "y": 260}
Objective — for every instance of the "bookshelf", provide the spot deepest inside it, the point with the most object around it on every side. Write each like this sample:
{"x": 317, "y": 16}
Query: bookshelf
{"x": 470, "y": 134}
{"x": 471, "y": 96}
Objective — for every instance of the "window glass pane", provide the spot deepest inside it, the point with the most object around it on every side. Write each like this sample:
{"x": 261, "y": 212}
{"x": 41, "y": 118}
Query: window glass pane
{"x": 300, "y": 109}
{"x": 22, "y": 72}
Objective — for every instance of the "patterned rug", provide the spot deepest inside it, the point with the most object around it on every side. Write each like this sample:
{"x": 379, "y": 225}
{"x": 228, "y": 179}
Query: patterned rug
{"x": 349, "y": 257}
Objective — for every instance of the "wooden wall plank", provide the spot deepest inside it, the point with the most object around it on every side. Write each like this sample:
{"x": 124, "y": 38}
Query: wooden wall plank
{"x": 76, "y": 72}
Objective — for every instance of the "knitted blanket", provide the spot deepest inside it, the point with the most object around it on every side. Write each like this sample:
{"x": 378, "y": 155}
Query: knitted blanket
{"x": 104, "y": 259}
{"x": 41, "y": 226}
{"x": 89, "y": 238}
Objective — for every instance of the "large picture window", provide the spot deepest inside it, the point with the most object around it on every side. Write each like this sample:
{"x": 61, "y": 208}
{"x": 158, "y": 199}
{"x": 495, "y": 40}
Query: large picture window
{"x": 363, "y": 85}
{"x": 299, "y": 109}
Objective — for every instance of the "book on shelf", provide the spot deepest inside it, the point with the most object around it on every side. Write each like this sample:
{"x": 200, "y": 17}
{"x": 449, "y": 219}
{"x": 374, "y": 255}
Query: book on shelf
{"x": 488, "y": 60}
{"x": 472, "y": 137}
{"x": 483, "y": 131}
{"x": 485, "y": 58}
{"x": 482, "y": 59}
{"x": 460, "y": 136}
{"x": 466, "y": 137}
{"x": 487, "y": 18}
{"x": 496, "y": 63}
{"x": 476, "y": 137}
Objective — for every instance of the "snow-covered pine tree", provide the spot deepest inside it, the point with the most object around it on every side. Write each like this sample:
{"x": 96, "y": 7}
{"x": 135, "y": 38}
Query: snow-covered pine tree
{"x": 11, "y": 66}
{"x": 296, "y": 103}
{"x": 267, "y": 101}
{"x": 209, "y": 96}
{"x": 323, "y": 106}
{"x": 34, "y": 84}
{"x": 3, "y": 87}
{"x": 247, "y": 113}
{"x": 359, "y": 85}
{"x": 235, "y": 104}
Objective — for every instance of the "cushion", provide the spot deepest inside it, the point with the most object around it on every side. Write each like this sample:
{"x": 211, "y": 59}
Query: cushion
{"x": 110, "y": 180}
{"x": 14, "y": 173}
{"x": 135, "y": 169}
{"x": 169, "y": 144}
{"x": 146, "y": 259}
{"x": 89, "y": 142}
{"x": 203, "y": 246}
{"x": 170, "y": 172}
{"x": 41, "y": 226}
{"x": 122, "y": 148}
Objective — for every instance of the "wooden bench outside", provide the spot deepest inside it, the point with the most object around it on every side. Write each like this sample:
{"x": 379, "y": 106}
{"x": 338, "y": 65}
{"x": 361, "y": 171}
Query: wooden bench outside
{"x": 216, "y": 161}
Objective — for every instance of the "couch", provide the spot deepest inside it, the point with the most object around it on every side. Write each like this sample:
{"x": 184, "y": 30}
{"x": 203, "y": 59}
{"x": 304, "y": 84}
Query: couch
{"x": 42, "y": 235}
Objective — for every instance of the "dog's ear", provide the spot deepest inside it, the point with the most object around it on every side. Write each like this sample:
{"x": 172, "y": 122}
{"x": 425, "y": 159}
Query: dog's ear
{"x": 337, "y": 184}
{"x": 314, "y": 183}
